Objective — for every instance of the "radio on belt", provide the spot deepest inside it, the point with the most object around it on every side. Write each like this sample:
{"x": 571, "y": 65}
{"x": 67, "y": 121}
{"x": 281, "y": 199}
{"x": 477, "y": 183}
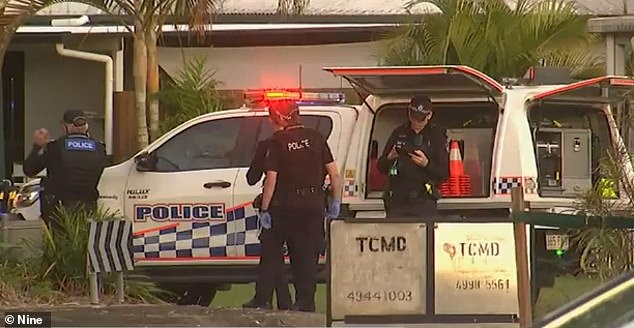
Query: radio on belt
{"x": 564, "y": 160}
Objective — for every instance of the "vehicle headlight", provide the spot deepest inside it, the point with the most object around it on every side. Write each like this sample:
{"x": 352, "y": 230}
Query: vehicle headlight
{"x": 27, "y": 196}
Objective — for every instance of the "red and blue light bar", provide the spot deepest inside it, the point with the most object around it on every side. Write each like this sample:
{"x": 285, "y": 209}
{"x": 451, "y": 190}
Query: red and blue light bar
{"x": 315, "y": 98}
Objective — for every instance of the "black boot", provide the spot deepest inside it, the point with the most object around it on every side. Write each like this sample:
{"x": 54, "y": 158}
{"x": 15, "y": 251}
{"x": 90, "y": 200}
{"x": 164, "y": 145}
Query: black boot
{"x": 303, "y": 308}
{"x": 255, "y": 304}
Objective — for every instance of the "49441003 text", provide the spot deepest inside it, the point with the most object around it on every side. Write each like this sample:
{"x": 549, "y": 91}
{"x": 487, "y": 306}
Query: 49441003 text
{"x": 381, "y": 296}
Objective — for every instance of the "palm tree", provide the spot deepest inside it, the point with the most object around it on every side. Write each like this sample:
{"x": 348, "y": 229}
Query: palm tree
{"x": 497, "y": 38}
{"x": 149, "y": 17}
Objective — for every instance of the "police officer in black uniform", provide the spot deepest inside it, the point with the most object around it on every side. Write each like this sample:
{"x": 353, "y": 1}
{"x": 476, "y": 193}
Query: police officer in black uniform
{"x": 298, "y": 161}
{"x": 74, "y": 164}
{"x": 416, "y": 159}
{"x": 271, "y": 253}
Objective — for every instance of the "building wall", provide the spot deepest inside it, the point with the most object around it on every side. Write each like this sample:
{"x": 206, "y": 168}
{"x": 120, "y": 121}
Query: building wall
{"x": 275, "y": 67}
{"x": 54, "y": 84}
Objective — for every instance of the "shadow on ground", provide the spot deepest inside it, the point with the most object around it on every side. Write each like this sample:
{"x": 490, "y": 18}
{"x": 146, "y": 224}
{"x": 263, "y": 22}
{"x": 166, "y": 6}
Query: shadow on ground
{"x": 172, "y": 315}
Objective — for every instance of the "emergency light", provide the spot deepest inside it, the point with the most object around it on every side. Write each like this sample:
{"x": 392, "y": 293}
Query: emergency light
{"x": 314, "y": 98}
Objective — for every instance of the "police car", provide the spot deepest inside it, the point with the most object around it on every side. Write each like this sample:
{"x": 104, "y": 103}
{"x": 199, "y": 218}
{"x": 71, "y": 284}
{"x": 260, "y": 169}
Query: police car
{"x": 195, "y": 228}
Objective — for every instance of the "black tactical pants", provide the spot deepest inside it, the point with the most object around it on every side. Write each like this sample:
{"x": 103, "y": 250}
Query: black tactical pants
{"x": 300, "y": 222}
{"x": 49, "y": 206}
{"x": 271, "y": 271}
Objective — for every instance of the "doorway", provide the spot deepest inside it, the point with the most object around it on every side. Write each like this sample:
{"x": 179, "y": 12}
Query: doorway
{"x": 13, "y": 111}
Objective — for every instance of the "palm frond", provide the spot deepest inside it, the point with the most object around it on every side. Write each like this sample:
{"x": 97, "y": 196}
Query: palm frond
{"x": 495, "y": 37}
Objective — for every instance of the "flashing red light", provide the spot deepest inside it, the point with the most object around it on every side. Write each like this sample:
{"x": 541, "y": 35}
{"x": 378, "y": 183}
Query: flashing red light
{"x": 259, "y": 96}
{"x": 275, "y": 95}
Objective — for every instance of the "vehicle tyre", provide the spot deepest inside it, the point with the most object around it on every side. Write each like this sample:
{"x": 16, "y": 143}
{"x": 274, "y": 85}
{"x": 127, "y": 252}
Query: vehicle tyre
{"x": 202, "y": 294}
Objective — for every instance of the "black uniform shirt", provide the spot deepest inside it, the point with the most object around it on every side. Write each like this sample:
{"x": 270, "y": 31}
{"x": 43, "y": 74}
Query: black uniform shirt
{"x": 433, "y": 142}
{"x": 74, "y": 164}
{"x": 299, "y": 155}
{"x": 254, "y": 174}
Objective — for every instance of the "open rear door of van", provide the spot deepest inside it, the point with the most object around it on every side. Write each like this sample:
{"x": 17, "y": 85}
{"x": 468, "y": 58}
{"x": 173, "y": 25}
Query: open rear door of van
{"x": 385, "y": 81}
{"x": 613, "y": 90}
{"x": 605, "y": 89}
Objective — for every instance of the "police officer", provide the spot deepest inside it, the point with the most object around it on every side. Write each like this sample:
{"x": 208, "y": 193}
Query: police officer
{"x": 416, "y": 160}
{"x": 271, "y": 254}
{"x": 298, "y": 161}
{"x": 74, "y": 164}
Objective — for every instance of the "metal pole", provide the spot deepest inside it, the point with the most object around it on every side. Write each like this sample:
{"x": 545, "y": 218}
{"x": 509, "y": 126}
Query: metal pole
{"x": 120, "y": 287}
{"x": 521, "y": 258}
{"x": 610, "y": 54}
{"x": 94, "y": 284}
{"x": 94, "y": 289}
{"x": 4, "y": 244}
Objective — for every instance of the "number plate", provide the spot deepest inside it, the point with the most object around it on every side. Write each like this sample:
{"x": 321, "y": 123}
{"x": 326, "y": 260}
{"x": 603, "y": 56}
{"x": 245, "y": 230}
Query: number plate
{"x": 555, "y": 242}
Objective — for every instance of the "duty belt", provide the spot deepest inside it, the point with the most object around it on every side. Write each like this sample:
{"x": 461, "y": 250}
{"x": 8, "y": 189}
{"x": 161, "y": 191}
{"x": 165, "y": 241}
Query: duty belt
{"x": 305, "y": 191}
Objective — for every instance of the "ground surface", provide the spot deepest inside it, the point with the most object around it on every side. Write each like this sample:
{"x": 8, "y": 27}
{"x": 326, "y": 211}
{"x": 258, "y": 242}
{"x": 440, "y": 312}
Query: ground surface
{"x": 566, "y": 289}
{"x": 174, "y": 316}
{"x": 225, "y": 310}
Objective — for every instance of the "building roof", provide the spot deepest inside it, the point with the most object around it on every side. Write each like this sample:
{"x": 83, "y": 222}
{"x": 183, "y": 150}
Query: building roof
{"x": 613, "y": 24}
{"x": 346, "y": 7}
{"x": 269, "y": 7}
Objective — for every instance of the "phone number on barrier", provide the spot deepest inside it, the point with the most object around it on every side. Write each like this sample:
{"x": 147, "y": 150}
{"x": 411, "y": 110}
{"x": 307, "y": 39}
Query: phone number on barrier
{"x": 380, "y": 296}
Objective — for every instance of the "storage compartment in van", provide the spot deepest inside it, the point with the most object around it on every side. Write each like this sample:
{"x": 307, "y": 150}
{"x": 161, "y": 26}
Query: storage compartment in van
{"x": 472, "y": 127}
{"x": 569, "y": 143}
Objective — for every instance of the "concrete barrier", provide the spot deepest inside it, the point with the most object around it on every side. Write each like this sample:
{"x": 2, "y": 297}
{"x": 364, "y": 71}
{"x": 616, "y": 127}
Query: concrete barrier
{"x": 20, "y": 239}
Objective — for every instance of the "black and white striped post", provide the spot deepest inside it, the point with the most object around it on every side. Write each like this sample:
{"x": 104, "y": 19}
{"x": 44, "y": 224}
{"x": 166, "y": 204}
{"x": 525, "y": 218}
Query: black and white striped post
{"x": 109, "y": 250}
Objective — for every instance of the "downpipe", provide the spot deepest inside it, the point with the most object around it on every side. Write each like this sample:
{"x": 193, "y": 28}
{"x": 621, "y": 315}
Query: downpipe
{"x": 109, "y": 85}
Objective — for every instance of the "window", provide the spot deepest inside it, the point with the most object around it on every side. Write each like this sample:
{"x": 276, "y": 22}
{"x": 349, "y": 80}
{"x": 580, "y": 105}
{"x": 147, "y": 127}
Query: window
{"x": 222, "y": 143}
{"x": 323, "y": 124}
{"x": 216, "y": 144}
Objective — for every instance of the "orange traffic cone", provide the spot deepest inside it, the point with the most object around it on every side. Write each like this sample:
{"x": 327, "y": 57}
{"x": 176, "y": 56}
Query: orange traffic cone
{"x": 458, "y": 184}
{"x": 455, "y": 160}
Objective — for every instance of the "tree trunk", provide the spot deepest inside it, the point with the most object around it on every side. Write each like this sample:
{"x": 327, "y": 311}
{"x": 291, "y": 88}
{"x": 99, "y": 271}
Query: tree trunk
{"x": 153, "y": 83}
{"x": 140, "y": 83}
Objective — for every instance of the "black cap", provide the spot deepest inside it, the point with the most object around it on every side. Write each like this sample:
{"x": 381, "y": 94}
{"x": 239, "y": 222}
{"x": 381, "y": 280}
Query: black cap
{"x": 284, "y": 108}
{"x": 420, "y": 107}
{"x": 75, "y": 117}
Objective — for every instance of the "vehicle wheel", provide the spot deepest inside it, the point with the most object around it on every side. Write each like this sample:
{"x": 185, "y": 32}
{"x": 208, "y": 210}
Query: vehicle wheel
{"x": 201, "y": 295}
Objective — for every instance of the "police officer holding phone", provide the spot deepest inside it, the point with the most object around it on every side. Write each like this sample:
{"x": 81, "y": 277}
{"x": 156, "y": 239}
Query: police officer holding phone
{"x": 416, "y": 159}
{"x": 74, "y": 164}
{"x": 298, "y": 161}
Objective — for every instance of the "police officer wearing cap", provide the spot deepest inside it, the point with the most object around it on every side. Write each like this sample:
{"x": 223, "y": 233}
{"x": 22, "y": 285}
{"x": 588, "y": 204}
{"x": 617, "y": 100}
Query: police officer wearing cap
{"x": 416, "y": 159}
{"x": 74, "y": 164}
{"x": 271, "y": 253}
{"x": 296, "y": 166}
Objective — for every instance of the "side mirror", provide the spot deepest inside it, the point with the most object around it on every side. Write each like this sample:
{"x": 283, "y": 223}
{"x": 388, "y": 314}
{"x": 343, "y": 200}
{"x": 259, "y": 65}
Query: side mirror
{"x": 144, "y": 162}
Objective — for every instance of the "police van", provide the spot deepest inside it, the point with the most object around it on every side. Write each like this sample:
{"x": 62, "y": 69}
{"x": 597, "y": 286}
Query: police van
{"x": 195, "y": 229}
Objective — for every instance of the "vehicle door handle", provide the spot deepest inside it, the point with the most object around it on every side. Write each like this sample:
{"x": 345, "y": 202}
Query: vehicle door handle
{"x": 221, "y": 184}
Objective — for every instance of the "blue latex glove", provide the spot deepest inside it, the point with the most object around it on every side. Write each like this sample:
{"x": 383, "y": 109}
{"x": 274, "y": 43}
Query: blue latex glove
{"x": 334, "y": 207}
{"x": 265, "y": 219}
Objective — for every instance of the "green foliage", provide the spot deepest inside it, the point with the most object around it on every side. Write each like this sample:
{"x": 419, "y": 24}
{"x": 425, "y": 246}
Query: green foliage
{"x": 498, "y": 39}
{"x": 604, "y": 251}
{"x": 61, "y": 272}
{"x": 192, "y": 93}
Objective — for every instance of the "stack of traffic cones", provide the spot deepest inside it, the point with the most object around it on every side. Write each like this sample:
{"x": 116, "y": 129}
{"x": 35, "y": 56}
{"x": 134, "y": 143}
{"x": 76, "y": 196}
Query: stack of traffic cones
{"x": 458, "y": 184}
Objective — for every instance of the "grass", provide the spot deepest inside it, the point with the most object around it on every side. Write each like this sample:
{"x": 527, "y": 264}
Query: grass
{"x": 239, "y": 294}
{"x": 566, "y": 289}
